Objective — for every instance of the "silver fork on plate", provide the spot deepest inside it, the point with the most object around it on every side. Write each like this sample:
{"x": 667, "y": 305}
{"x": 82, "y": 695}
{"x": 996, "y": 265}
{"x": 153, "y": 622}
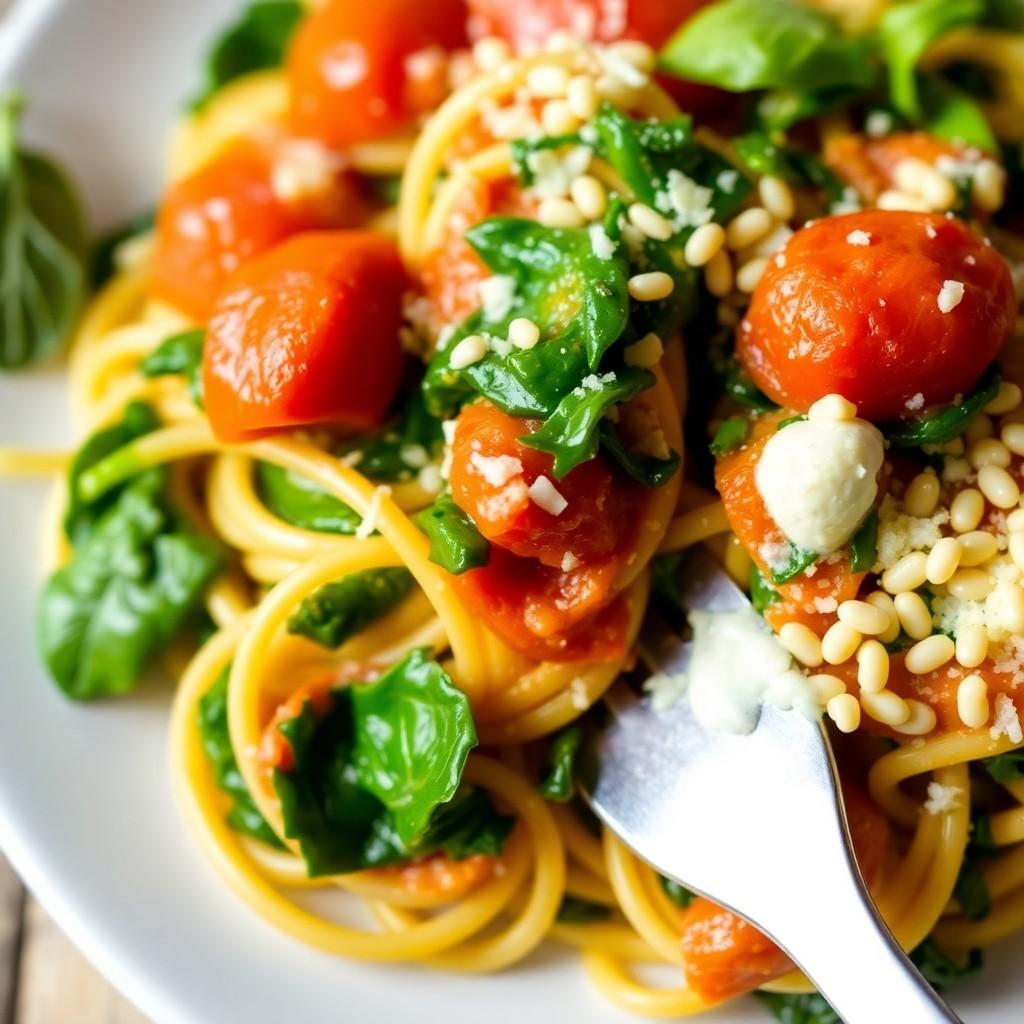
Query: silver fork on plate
{"x": 652, "y": 776}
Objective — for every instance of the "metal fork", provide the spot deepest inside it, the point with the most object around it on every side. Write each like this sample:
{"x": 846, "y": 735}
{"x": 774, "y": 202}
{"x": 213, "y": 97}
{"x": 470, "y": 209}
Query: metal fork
{"x": 754, "y": 822}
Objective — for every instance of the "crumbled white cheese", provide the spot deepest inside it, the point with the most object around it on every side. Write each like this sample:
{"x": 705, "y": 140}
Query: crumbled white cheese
{"x": 553, "y": 174}
{"x": 603, "y": 246}
{"x": 1007, "y": 721}
{"x": 429, "y": 478}
{"x": 569, "y": 562}
{"x": 950, "y": 296}
{"x": 545, "y": 495}
{"x": 498, "y": 296}
{"x": 496, "y": 470}
{"x": 690, "y": 202}
{"x": 304, "y": 170}
{"x": 879, "y": 123}
{"x": 369, "y": 522}
{"x": 942, "y": 799}
{"x": 899, "y": 534}
{"x": 859, "y": 237}
{"x": 915, "y": 402}
{"x": 818, "y": 479}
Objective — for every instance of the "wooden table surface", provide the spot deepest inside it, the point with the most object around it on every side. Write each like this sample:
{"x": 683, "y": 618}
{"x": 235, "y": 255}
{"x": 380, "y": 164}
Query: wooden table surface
{"x": 43, "y": 978}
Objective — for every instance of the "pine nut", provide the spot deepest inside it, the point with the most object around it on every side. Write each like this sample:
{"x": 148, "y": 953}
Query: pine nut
{"x": 979, "y": 428}
{"x": 547, "y": 81}
{"x": 651, "y": 287}
{"x": 523, "y": 333}
{"x": 590, "y": 196}
{"x": 863, "y": 617}
{"x": 1017, "y": 548}
{"x": 1015, "y": 520}
{"x": 881, "y": 600}
{"x": 832, "y": 409}
{"x": 989, "y": 451}
{"x": 977, "y": 547}
{"x": 750, "y": 273}
{"x": 581, "y": 95}
{"x": 559, "y": 213}
{"x": 943, "y": 559}
{"x": 467, "y": 352}
{"x": 704, "y": 244}
{"x": 802, "y": 642}
{"x": 491, "y": 53}
{"x": 886, "y": 707}
{"x": 650, "y": 222}
{"x": 998, "y": 486}
{"x": 718, "y": 274}
{"x": 557, "y": 119}
{"x": 645, "y": 353}
{"x": 748, "y": 227}
{"x": 907, "y": 574}
{"x": 1008, "y": 398}
{"x": 971, "y": 645}
{"x": 826, "y": 686}
{"x": 872, "y": 666}
{"x": 913, "y": 614}
{"x": 635, "y": 52}
{"x": 844, "y": 710}
{"x": 893, "y": 199}
{"x": 972, "y": 701}
{"x": 839, "y": 643}
{"x": 929, "y": 654}
{"x": 1009, "y": 599}
{"x": 988, "y": 185}
{"x": 776, "y": 197}
{"x": 921, "y": 721}
{"x": 921, "y": 496}
{"x": 1012, "y": 436}
{"x": 970, "y": 585}
{"x": 917, "y": 178}
{"x": 616, "y": 91}
{"x": 967, "y": 509}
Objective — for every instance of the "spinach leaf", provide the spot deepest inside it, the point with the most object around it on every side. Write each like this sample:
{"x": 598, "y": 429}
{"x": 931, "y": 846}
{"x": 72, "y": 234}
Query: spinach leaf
{"x": 797, "y": 560}
{"x": 761, "y": 154}
{"x": 906, "y": 31}
{"x": 729, "y": 435}
{"x": 255, "y": 42}
{"x": 971, "y": 890}
{"x": 733, "y": 378}
{"x": 455, "y": 543}
{"x": 647, "y": 470}
{"x": 399, "y": 452}
{"x": 179, "y": 354}
{"x": 951, "y": 114}
{"x": 213, "y": 728}
{"x": 679, "y": 894}
{"x": 131, "y": 584}
{"x": 571, "y": 431}
{"x": 1008, "y": 767}
{"x": 761, "y": 594}
{"x": 297, "y": 500}
{"x": 372, "y": 781}
{"x": 102, "y": 265}
{"x": 666, "y": 582}
{"x": 742, "y": 45}
{"x": 576, "y": 910}
{"x": 863, "y": 545}
{"x": 940, "y": 970}
{"x": 803, "y": 1009}
{"x": 560, "y": 760}
{"x": 81, "y": 515}
{"x": 946, "y": 423}
{"x": 467, "y": 826}
{"x": 42, "y": 258}
{"x": 344, "y": 608}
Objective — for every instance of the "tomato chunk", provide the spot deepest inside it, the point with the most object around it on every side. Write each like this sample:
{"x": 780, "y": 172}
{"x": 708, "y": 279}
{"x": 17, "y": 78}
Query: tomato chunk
{"x": 724, "y": 956}
{"x": 548, "y": 588}
{"x": 364, "y": 71}
{"x": 306, "y": 333}
{"x": 895, "y": 311}
{"x": 438, "y": 875}
{"x": 228, "y": 211}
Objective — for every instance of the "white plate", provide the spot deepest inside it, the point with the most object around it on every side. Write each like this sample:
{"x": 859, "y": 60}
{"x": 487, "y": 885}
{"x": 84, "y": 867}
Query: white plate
{"x": 86, "y": 813}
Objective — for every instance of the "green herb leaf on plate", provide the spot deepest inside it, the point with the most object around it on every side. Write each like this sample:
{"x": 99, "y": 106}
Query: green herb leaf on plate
{"x": 560, "y": 761}
{"x": 181, "y": 354}
{"x": 455, "y": 542}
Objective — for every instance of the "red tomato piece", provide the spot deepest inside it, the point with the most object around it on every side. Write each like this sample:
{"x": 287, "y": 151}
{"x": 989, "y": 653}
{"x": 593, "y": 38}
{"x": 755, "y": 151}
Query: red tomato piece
{"x": 868, "y": 305}
{"x": 364, "y": 71}
{"x": 437, "y": 874}
{"x": 226, "y": 213}
{"x": 307, "y": 333}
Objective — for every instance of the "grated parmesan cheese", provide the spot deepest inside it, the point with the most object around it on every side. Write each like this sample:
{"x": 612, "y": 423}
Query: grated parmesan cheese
{"x": 498, "y": 296}
{"x": 603, "y": 246}
{"x": 369, "y": 523}
{"x": 497, "y": 470}
{"x": 859, "y": 237}
{"x": 942, "y": 799}
{"x": 690, "y": 202}
{"x": 546, "y": 496}
{"x": 899, "y": 534}
{"x": 1007, "y": 721}
{"x": 950, "y": 296}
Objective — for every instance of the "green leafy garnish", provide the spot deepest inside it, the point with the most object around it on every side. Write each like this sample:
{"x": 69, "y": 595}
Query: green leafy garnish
{"x": 576, "y": 910}
{"x": 1008, "y": 767}
{"x": 131, "y": 584}
{"x": 213, "y": 728}
{"x": 679, "y": 894}
{"x": 971, "y": 891}
{"x": 455, "y": 543}
{"x": 256, "y": 41}
{"x": 647, "y": 470}
{"x": 346, "y": 607}
{"x": 761, "y": 154}
{"x": 761, "y": 594}
{"x": 951, "y": 114}
{"x": 43, "y": 256}
{"x": 797, "y": 560}
{"x": 102, "y": 263}
{"x": 297, "y": 500}
{"x": 666, "y": 582}
{"x": 803, "y": 1009}
{"x": 560, "y": 760}
{"x": 944, "y": 424}
{"x": 940, "y": 970}
{"x": 398, "y": 453}
{"x": 863, "y": 544}
{"x": 729, "y": 435}
{"x": 181, "y": 354}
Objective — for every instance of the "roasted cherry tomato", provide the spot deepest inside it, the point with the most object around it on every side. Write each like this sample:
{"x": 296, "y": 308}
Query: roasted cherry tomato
{"x": 724, "y": 956}
{"x": 306, "y": 333}
{"x": 895, "y": 311}
{"x": 364, "y": 71}
{"x": 550, "y": 580}
{"x": 438, "y": 875}
{"x": 229, "y": 211}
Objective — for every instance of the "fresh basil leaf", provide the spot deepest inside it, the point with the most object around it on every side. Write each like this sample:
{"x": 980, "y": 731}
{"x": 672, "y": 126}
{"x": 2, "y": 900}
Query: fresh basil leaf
{"x": 455, "y": 542}
{"x": 863, "y": 545}
{"x": 946, "y": 423}
{"x": 729, "y": 435}
{"x": 212, "y": 721}
{"x": 346, "y": 607}
{"x": 742, "y": 45}
{"x": 803, "y": 1009}
{"x": 42, "y": 258}
{"x": 971, "y": 891}
{"x": 102, "y": 265}
{"x": 131, "y": 584}
{"x": 679, "y": 894}
{"x": 180, "y": 354}
{"x": 940, "y": 970}
{"x": 256, "y": 41}
{"x": 907, "y": 30}
{"x": 297, "y": 500}
{"x": 467, "y": 826}
{"x": 398, "y": 453}
{"x": 761, "y": 594}
{"x": 797, "y": 560}
{"x": 949, "y": 113}
{"x": 576, "y": 910}
{"x": 81, "y": 515}
{"x": 780, "y": 109}
{"x": 1008, "y": 767}
{"x": 646, "y": 470}
{"x": 560, "y": 761}
{"x": 570, "y": 433}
